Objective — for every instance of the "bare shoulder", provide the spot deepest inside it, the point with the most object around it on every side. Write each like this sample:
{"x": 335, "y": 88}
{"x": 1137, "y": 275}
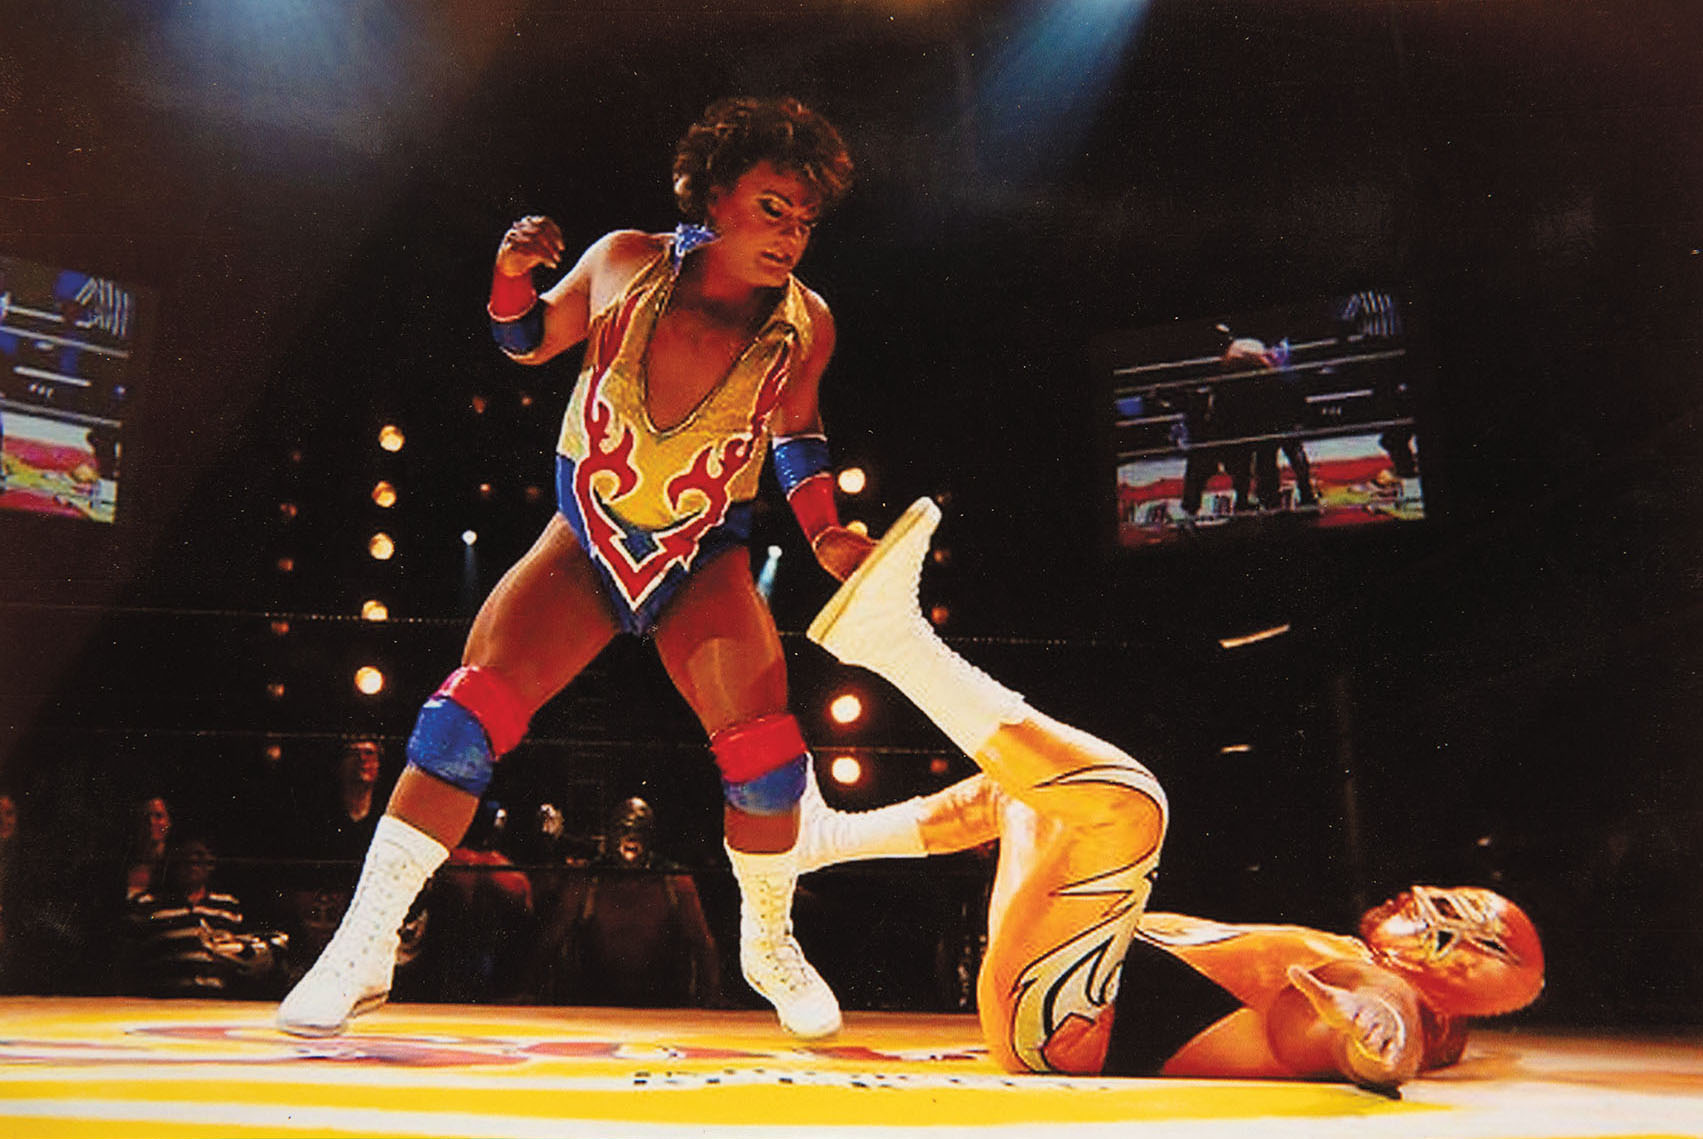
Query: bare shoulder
{"x": 623, "y": 252}
{"x": 615, "y": 259}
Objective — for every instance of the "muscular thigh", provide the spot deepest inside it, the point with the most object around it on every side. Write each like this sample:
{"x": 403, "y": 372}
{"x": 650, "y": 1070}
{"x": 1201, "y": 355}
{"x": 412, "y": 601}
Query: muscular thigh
{"x": 546, "y": 619}
{"x": 718, "y": 642}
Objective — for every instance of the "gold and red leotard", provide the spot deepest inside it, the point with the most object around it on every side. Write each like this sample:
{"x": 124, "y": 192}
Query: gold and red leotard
{"x": 651, "y": 505}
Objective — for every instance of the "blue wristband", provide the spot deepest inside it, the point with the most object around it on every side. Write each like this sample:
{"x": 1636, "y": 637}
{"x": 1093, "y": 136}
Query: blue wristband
{"x": 518, "y": 337}
{"x": 798, "y": 457}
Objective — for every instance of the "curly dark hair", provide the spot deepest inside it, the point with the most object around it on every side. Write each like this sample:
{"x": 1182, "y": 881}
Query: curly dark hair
{"x": 735, "y": 134}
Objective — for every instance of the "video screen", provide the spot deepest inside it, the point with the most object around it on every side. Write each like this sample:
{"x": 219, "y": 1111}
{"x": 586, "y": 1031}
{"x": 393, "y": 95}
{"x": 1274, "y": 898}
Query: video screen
{"x": 68, "y": 366}
{"x": 1304, "y": 413}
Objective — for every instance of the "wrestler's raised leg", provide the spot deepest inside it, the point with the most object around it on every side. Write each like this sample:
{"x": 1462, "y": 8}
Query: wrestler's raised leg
{"x": 542, "y": 624}
{"x": 718, "y": 642}
{"x": 958, "y": 817}
{"x": 1080, "y": 834}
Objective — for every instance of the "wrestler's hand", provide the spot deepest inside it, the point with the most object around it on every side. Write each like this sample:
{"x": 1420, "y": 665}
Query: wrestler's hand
{"x": 840, "y": 551}
{"x": 530, "y": 242}
{"x": 1377, "y": 1037}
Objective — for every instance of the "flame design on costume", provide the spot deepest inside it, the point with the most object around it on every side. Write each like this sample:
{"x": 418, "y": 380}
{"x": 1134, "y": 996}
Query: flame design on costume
{"x": 649, "y": 497}
{"x": 1079, "y": 978}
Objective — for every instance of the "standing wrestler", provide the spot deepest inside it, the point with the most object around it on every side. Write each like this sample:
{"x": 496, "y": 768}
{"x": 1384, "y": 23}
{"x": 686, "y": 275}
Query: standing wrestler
{"x": 700, "y": 348}
{"x": 1076, "y": 978}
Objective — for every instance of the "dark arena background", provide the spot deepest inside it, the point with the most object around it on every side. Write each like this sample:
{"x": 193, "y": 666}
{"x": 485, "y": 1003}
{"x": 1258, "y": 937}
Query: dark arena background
{"x": 246, "y": 248}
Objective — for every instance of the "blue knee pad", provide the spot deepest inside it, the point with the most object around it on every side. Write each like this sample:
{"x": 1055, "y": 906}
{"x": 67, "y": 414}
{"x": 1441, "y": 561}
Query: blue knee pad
{"x": 450, "y": 744}
{"x": 772, "y": 793}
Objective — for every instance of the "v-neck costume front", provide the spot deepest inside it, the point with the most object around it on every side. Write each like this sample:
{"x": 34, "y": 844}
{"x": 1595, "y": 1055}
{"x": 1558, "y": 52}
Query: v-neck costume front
{"x": 651, "y": 505}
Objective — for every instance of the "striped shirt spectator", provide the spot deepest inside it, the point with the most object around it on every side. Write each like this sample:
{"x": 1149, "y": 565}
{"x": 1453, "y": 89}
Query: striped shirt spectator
{"x": 187, "y": 940}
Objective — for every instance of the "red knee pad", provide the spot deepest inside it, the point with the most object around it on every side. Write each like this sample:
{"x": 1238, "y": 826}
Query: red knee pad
{"x": 757, "y": 747}
{"x": 493, "y": 702}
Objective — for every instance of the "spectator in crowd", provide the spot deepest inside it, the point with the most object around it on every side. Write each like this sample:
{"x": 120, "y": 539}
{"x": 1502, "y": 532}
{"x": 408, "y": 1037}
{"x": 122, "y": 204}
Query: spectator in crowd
{"x": 152, "y": 833}
{"x": 326, "y": 839}
{"x": 187, "y": 939}
{"x": 629, "y": 930}
{"x": 482, "y": 921}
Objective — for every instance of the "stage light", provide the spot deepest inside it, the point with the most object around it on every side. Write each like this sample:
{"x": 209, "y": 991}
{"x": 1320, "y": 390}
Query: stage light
{"x": 369, "y": 681}
{"x": 533, "y": 493}
{"x": 766, "y": 575}
{"x": 384, "y": 494}
{"x": 479, "y": 405}
{"x": 381, "y": 546}
{"x": 939, "y": 614}
{"x": 858, "y": 526}
{"x": 1236, "y": 749}
{"x": 1041, "y": 92}
{"x": 845, "y": 770}
{"x": 274, "y": 753}
{"x": 853, "y": 480}
{"x": 275, "y": 690}
{"x": 374, "y": 610}
{"x": 939, "y": 765}
{"x": 280, "y": 627}
{"x": 286, "y": 565}
{"x": 486, "y": 490}
{"x": 390, "y": 437}
{"x": 940, "y": 555}
{"x": 287, "y": 511}
{"x": 846, "y": 708}
{"x": 468, "y": 537}
{"x": 1251, "y": 638}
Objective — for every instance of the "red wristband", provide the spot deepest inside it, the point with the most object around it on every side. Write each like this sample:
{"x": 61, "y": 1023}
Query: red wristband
{"x": 812, "y": 501}
{"x": 511, "y": 297}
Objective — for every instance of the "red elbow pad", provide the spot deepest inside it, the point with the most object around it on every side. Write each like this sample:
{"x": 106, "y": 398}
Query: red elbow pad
{"x": 812, "y": 501}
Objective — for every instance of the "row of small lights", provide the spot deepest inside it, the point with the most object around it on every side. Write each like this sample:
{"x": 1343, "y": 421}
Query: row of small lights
{"x": 370, "y": 679}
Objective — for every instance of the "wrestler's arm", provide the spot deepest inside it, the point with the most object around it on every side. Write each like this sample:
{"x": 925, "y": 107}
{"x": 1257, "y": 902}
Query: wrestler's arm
{"x": 838, "y": 549}
{"x": 595, "y": 278}
{"x": 1348, "y": 1019}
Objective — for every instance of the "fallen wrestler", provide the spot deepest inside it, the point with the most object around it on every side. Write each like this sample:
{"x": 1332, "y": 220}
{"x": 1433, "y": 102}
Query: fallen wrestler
{"x": 1077, "y": 978}
{"x": 703, "y": 352}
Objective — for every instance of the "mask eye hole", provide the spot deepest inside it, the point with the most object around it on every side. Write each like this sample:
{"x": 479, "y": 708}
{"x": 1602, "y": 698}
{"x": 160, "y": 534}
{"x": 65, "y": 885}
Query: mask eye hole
{"x": 1495, "y": 947}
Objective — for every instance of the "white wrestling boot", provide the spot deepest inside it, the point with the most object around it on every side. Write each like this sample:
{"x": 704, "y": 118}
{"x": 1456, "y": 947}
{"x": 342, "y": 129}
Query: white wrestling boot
{"x": 875, "y": 621}
{"x": 352, "y": 975}
{"x": 769, "y": 956}
{"x": 827, "y": 837}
